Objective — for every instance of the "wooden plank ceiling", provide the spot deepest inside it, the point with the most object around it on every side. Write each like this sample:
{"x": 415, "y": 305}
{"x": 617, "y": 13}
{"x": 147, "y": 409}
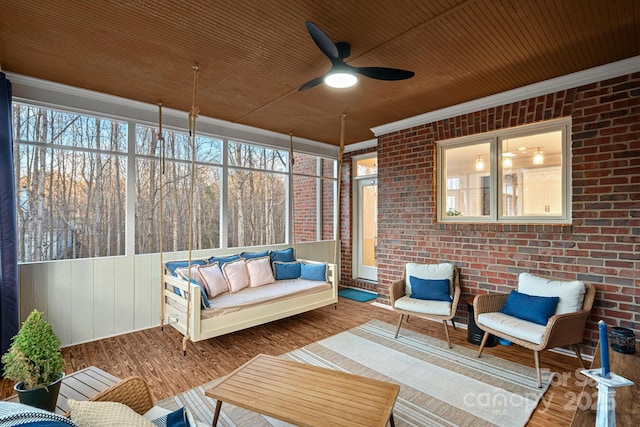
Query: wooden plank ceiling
{"x": 253, "y": 55}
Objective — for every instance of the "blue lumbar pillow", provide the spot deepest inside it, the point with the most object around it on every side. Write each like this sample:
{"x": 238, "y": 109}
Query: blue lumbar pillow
{"x": 222, "y": 260}
{"x": 282, "y": 255}
{"x": 250, "y": 255}
{"x": 316, "y": 272}
{"x": 430, "y": 289}
{"x": 287, "y": 270}
{"x": 530, "y": 307}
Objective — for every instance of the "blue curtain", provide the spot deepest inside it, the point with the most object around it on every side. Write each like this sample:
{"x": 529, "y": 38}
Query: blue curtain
{"x": 9, "y": 321}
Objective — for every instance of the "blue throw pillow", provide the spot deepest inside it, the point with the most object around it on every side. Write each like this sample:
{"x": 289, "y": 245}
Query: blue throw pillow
{"x": 314, "y": 272}
{"x": 284, "y": 255}
{"x": 530, "y": 307}
{"x": 250, "y": 255}
{"x": 430, "y": 289}
{"x": 286, "y": 270}
{"x": 222, "y": 260}
{"x": 172, "y": 266}
{"x": 177, "y": 418}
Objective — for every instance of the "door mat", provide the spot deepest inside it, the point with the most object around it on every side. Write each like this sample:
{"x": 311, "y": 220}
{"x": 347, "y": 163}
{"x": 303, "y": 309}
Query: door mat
{"x": 356, "y": 294}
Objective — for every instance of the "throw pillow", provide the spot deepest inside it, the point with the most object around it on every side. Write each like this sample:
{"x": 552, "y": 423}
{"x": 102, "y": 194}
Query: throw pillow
{"x": 177, "y": 418}
{"x": 316, "y": 272}
{"x": 532, "y": 308}
{"x": 283, "y": 255}
{"x": 105, "y": 414}
{"x": 236, "y": 274}
{"x": 222, "y": 260}
{"x": 182, "y": 273}
{"x": 173, "y": 265}
{"x": 430, "y": 289}
{"x": 195, "y": 275}
{"x": 571, "y": 293}
{"x": 427, "y": 271}
{"x": 213, "y": 280}
{"x": 260, "y": 272}
{"x": 251, "y": 255}
{"x": 287, "y": 270}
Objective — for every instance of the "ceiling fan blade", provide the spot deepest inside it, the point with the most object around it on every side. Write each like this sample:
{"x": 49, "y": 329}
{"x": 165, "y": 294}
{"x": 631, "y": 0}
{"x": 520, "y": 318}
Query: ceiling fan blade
{"x": 323, "y": 41}
{"x": 312, "y": 83}
{"x": 383, "y": 73}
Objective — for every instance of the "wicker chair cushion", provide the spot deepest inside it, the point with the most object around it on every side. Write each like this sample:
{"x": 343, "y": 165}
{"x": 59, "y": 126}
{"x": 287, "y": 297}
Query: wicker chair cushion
{"x": 509, "y": 325}
{"x": 438, "y": 308}
{"x": 428, "y": 271}
{"x": 571, "y": 293}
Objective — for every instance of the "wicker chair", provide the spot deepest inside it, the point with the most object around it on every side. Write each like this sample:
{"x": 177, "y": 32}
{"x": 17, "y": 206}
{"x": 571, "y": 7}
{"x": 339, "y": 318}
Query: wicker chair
{"x": 399, "y": 290}
{"x": 561, "y": 330}
{"x": 132, "y": 391}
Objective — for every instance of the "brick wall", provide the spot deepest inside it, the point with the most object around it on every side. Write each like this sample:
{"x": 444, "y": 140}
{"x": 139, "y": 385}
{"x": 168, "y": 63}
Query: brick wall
{"x": 601, "y": 246}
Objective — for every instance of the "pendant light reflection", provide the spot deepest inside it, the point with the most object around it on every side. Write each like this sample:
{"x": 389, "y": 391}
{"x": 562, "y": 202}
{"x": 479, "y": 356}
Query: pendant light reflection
{"x": 538, "y": 157}
{"x": 507, "y": 163}
{"x": 479, "y": 164}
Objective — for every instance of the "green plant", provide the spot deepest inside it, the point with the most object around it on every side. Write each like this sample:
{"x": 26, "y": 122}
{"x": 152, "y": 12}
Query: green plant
{"x": 34, "y": 357}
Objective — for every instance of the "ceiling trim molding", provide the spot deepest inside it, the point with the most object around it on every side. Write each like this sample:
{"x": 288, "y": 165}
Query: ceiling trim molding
{"x": 580, "y": 78}
{"x": 31, "y": 89}
{"x": 362, "y": 145}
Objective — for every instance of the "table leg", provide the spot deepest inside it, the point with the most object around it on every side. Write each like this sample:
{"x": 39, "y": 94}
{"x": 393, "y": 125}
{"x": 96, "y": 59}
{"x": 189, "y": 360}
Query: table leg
{"x": 216, "y": 414}
{"x": 391, "y": 421}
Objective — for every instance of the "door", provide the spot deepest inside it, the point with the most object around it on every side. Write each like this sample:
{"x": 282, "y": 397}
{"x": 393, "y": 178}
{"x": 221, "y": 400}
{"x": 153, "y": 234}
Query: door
{"x": 367, "y": 229}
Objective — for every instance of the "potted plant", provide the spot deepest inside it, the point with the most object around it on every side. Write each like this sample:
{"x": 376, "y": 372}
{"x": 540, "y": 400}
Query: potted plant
{"x": 34, "y": 361}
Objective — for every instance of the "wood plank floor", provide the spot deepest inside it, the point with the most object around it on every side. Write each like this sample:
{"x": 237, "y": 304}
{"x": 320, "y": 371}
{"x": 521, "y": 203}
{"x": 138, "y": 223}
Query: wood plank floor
{"x": 157, "y": 355}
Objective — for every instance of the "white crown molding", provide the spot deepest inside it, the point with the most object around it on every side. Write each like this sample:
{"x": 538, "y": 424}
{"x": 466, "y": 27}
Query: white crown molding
{"x": 580, "y": 78}
{"x": 30, "y": 89}
{"x": 362, "y": 145}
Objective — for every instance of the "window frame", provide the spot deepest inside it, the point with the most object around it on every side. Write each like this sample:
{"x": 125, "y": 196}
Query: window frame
{"x": 495, "y": 139}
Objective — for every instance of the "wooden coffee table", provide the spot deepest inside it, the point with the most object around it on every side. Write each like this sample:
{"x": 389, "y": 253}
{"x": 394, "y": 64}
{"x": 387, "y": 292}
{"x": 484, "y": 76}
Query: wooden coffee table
{"x": 306, "y": 395}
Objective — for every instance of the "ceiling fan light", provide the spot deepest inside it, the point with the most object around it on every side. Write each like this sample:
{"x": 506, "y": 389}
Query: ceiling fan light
{"x": 340, "y": 80}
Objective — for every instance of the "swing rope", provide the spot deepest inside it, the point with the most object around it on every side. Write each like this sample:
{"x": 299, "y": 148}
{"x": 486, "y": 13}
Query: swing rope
{"x": 160, "y": 141}
{"x": 293, "y": 210}
{"x": 339, "y": 186}
{"x": 193, "y": 115}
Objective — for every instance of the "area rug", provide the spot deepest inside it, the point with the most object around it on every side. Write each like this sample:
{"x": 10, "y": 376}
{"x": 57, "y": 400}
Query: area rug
{"x": 438, "y": 386}
{"x": 356, "y": 294}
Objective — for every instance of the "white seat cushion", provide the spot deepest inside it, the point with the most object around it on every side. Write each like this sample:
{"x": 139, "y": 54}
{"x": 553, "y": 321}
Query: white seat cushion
{"x": 571, "y": 293}
{"x": 438, "y": 308}
{"x": 513, "y": 326}
{"x": 428, "y": 271}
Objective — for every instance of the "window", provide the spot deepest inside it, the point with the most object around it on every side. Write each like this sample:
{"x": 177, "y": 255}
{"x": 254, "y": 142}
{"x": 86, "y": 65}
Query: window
{"x": 518, "y": 175}
{"x": 257, "y": 195}
{"x": 176, "y": 187}
{"x": 70, "y": 174}
{"x": 89, "y": 186}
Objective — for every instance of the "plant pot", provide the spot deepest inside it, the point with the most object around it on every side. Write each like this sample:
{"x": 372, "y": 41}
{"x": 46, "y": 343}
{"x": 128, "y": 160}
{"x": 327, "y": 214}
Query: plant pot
{"x": 43, "y": 397}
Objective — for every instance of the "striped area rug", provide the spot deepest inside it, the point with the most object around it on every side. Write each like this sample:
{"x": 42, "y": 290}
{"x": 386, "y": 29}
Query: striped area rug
{"x": 438, "y": 386}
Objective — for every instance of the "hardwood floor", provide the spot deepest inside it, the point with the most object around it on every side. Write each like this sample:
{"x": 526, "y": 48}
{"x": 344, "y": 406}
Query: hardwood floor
{"x": 157, "y": 355}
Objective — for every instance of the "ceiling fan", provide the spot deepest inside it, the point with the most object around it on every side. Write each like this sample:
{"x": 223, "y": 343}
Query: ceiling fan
{"x": 341, "y": 74}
